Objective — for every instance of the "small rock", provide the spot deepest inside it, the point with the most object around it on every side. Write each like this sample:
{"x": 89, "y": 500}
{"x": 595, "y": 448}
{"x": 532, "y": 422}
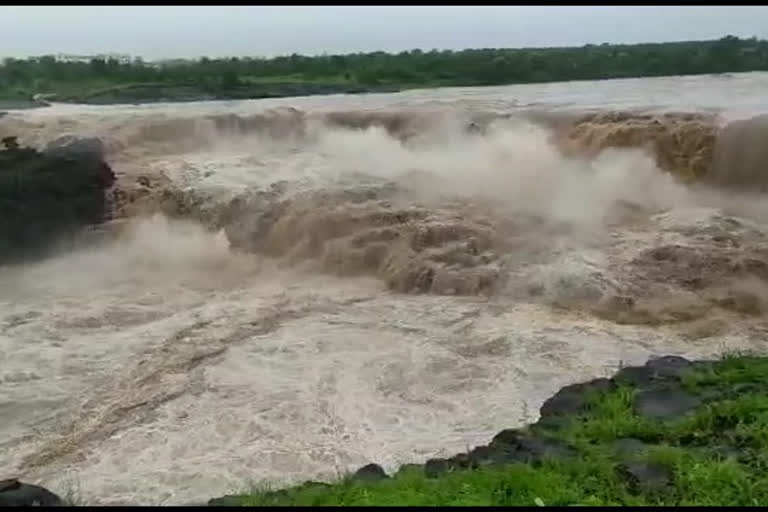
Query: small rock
{"x": 230, "y": 500}
{"x": 657, "y": 371}
{"x": 370, "y": 473}
{"x": 14, "y": 494}
{"x": 436, "y": 467}
{"x": 484, "y": 456}
{"x": 513, "y": 446}
{"x": 665, "y": 403}
{"x": 644, "y": 475}
{"x": 669, "y": 366}
{"x": 572, "y": 399}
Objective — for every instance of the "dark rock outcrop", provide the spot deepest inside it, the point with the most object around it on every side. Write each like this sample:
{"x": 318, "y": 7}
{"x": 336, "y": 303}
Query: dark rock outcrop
{"x": 370, "y": 473}
{"x": 230, "y": 500}
{"x": 18, "y": 494}
{"x": 649, "y": 476}
{"x": 507, "y": 447}
{"x": 76, "y": 147}
{"x": 46, "y": 196}
{"x": 657, "y": 373}
{"x": 572, "y": 399}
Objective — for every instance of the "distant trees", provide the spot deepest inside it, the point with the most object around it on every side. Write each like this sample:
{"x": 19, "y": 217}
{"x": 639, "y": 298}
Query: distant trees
{"x": 485, "y": 66}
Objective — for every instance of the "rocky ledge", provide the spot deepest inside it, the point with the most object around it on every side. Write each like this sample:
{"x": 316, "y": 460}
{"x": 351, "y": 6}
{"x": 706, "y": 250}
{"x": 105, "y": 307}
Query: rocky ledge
{"x": 648, "y": 435}
{"x": 47, "y": 195}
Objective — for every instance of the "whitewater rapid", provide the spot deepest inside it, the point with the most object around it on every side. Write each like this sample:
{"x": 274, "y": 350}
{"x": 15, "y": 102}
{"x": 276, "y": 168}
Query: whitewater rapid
{"x": 160, "y": 365}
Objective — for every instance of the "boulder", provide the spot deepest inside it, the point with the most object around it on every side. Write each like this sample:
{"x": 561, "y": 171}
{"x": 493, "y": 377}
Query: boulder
{"x": 76, "y": 147}
{"x": 18, "y": 494}
{"x": 573, "y": 399}
{"x": 370, "y": 473}
{"x": 46, "y": 196}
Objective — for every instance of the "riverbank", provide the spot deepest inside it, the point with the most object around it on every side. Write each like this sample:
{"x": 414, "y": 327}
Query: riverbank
{"x": 672, "y": 432}
{"x": 144, "y": 93}
{"x": 164, "y": 93}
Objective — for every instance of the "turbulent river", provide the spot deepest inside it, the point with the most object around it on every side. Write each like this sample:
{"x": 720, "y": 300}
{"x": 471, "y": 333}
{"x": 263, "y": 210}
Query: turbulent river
{"x": 296, "y": 287}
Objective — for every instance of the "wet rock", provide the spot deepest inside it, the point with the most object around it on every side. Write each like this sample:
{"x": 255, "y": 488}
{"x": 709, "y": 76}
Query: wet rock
{"x": 656, "y": 372}
{"x": 437, "y": 467}
{"x": 635, "y": 376}
{"x": 507, "y": 447}
{"x": 15, "y": 493}
{"x": 628, "y": 447}
{"x": 644, "y": 476}
{"x": 370, "y": 473}
{"x": 572, "y": 399}
{"x": 514, "y": 446}
{"x": 665, "y": 403}
{"x": 674, "y": 367}
{"x": 47, "y": 196}
{"x": 484, "y": 456}
{"x": 75, "y": 147}
{"x": 480, "y": 456}
{"x": 229, "y": 500}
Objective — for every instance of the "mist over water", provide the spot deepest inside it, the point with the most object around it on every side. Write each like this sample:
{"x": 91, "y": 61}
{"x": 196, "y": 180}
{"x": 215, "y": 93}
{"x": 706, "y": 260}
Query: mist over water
{"x": 299, "y": 287}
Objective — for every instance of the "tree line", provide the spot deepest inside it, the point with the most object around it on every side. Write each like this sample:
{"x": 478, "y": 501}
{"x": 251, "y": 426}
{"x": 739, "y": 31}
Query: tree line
{"x": 415, "y": 68}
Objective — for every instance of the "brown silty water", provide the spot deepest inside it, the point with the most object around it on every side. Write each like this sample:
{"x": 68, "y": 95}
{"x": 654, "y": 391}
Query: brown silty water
{"x": 297, "y": 287}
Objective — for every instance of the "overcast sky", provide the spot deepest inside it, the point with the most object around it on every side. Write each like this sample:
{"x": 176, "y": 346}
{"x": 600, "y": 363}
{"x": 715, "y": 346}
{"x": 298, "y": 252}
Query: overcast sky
{"x": 176, "y": 31}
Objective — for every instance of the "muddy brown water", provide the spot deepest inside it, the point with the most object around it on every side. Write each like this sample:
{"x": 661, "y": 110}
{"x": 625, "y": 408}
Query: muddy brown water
{"x": 399, "y": 288}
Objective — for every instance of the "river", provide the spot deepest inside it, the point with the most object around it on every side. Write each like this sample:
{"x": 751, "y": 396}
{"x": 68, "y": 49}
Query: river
{"x": 162, "y": 366}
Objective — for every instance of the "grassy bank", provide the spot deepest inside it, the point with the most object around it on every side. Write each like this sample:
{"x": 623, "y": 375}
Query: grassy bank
{"x": 669, "y": 434}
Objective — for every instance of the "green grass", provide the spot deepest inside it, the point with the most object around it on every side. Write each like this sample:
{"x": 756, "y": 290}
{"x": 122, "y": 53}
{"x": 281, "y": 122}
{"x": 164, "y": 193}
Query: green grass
{"x": 734, "y": 415}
